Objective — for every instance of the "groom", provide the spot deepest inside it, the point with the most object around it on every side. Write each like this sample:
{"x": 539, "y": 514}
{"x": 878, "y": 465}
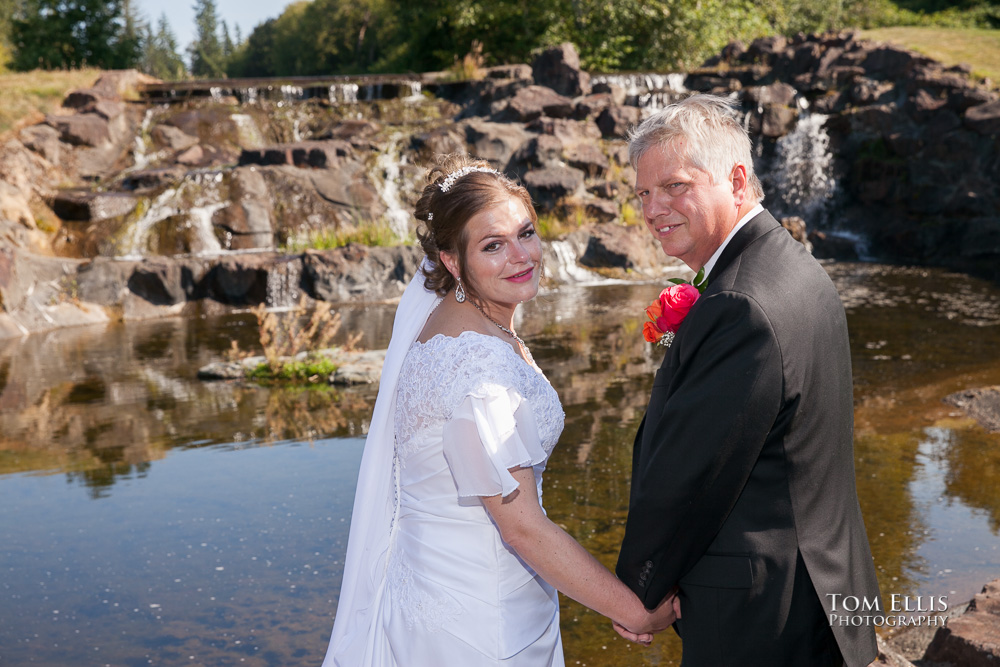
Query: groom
{"x": 743, "y": 493}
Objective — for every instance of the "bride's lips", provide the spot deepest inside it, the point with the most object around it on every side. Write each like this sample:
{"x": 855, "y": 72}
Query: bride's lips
{"x": 522, "y": 277}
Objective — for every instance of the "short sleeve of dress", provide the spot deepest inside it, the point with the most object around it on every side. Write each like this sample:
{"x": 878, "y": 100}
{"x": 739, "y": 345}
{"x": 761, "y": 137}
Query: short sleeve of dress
{"x": 491, "y": 431}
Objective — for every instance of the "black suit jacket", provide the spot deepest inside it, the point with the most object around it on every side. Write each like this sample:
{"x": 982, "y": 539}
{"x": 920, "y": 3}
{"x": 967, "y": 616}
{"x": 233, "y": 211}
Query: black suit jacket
{"x": 743, "y": 491}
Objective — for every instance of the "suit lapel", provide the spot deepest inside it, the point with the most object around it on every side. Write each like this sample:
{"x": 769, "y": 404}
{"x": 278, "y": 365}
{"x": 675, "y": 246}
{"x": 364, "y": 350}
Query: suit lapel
{"x": 759, "y": 225}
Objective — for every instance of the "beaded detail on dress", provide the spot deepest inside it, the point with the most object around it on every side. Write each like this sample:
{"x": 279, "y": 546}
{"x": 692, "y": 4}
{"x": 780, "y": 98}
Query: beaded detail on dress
{"x": 437, "y": 376}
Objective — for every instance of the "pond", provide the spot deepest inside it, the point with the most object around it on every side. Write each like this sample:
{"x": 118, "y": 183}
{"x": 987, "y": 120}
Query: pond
{"x": 154, "y": 519}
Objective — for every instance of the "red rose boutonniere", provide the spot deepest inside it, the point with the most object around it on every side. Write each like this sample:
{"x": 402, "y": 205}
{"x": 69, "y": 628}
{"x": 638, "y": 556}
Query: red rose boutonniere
{"x": 667, "y": 312}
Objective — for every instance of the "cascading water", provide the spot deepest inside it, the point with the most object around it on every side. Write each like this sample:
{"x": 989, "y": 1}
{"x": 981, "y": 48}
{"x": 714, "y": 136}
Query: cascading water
{"x": 386, "y": 176}
{"x": 201, "y": 188}
{"x": 802, "y": 177}
{"x": 139, "y": 157}
{"x": 566, "y": 269}
{"x": 647, "y": 91}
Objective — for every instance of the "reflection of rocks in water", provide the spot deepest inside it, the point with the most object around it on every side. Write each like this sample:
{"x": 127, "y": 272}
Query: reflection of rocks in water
{"x": 974, "y": 472}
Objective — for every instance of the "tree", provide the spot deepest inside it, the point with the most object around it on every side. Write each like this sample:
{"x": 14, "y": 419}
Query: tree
{"x": 53, "y": 34}
{"x": 207, "y": 58}
{"x": 160, "y": 57}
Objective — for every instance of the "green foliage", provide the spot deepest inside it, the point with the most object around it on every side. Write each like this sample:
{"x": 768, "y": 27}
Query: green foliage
{"x": 377, "y": 233}
{"x": 313, "y": 369}
{"x": 160, "y": 57}
{"x": 207, "y": 56}
{"x": 61, "y": 34}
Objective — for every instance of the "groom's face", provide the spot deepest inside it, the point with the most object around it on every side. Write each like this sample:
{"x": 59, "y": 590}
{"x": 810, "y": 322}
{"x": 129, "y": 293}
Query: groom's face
{"x": 688, "y": 214}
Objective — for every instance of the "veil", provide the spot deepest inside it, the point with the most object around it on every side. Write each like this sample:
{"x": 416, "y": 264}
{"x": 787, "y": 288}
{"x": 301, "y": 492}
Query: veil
{"x": 375, "y": 498}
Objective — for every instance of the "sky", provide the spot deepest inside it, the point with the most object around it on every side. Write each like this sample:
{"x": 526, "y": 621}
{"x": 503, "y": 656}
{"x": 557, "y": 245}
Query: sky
{"x": 180, "y": 15}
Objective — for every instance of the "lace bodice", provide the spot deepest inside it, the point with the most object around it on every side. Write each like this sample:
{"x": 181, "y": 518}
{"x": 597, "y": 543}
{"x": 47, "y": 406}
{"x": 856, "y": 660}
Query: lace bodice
{"x": 439, "y": 374}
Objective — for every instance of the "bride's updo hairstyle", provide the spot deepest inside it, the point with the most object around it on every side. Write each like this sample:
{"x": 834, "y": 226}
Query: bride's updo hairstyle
{"x": 458, "y": 188}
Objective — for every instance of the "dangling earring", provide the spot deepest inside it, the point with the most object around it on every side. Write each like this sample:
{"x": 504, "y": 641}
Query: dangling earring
{"x": 459, "y": 291}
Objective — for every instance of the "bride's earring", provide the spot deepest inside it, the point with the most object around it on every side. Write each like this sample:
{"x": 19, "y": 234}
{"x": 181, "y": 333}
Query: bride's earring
{"x": 459, "y": 291}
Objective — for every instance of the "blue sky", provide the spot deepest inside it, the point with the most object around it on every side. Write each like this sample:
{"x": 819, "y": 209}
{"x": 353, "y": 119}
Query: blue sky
{"x": 180, "y": 14}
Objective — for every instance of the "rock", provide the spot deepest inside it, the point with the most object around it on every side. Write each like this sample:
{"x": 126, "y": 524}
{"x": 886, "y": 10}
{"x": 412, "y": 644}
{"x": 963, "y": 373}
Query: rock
{"x": 248, "y": 222}
{"x": 559, "y": 69}
{"x": 85, "y": 206}
{"x": 540, "y": 151}
{"x": 172, "y": 138}
{"x": 516, "y": 71}
{"x": 150, "y": 179}
{"x": 161, "y": 282}
{"x": 764, "y": 49}
{"x": 358, "y": 368}
{"x": 495, "y": 142}
{"x": 532, "y": 102}
{"x": 549, "y": 185}
{"x": 589, "y": 159}
{"x": 594, "y": 103}
{"x": 192, "y": 157}
{"x": 14, "y": 206}
{"x": 222, "y": 370}
{"x": 605, "y": 189}
{"x": 359, "y": 273}
{"x": 616, "y": 92}
{"x": 780, "y": 94}
{"x": 982, "y": 404}
{"x": 601, "y": 210}
{"x": 796, "y": 226}
{"x": 569, "y": 132}
{"x": 85, "y": 129}
{"x": 239, "y": 280}
{"x": 318, "y": 154}
{"x": 616, "y": 122}
{"x": 617, "y": 246}
{"x": 81, "y": 98}
{"x": 972, "y": 639}
{"x": 832, "y": 246}
{"x": 778, "y": 121}
{"x": 984, "y": 119}
{"x": 439, "y": 141}
{"x": 44, "y": 140}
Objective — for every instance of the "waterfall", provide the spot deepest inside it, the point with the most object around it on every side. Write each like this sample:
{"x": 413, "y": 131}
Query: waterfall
{"x": 803, "y": 180}
{"x": 566, "y": 269}
{"x": 386, "y": 177}
{"x": 648, "y": 91}
{"x": 175, "y": 202}
{"x": 282, "y": 286}
{"x": 343, "y": 93}
{"x": 139, "y": 157}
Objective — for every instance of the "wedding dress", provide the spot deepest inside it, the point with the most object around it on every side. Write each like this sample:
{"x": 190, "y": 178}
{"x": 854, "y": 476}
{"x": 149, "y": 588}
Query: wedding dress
{"x": 441, "y": 588}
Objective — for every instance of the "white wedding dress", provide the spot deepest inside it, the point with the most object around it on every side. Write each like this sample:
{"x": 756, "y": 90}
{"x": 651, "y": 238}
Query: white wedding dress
{"x": 467, "y": 409}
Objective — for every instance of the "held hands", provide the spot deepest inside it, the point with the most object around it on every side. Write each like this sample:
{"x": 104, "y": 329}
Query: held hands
{"x": 661, "y": 618}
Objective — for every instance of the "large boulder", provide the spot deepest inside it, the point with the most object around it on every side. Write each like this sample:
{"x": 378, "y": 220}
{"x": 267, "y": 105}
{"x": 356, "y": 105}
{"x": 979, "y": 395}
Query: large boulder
{"x": 559, "y": 69}
{"x": 972, "y": 639}
{"x": 359, "y": 273}
{"x": 495, "y": 142}
{"x": 984, "y": 119}
{"x": 532, "y": 102}
{"x": 550, "y": 185}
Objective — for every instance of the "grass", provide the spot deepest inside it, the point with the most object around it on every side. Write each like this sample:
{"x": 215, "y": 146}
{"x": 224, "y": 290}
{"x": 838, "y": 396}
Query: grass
{"x": 975, "y": 47}
{"x": 27, "y": 94}
{"x": 377, "y": 233}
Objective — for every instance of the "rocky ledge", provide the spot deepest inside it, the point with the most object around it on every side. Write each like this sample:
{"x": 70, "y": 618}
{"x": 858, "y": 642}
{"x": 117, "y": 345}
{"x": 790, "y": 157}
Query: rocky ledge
{"x": 982, "y": 404}
{"x": 354, "y": 367}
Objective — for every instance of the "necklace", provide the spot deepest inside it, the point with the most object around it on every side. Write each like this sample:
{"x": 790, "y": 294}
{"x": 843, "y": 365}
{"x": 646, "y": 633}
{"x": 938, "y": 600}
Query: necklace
{"x": 502, "y": 327}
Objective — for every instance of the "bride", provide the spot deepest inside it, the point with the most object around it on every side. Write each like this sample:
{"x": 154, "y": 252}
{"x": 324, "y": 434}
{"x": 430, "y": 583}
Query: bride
{"x": 451, "y": 559}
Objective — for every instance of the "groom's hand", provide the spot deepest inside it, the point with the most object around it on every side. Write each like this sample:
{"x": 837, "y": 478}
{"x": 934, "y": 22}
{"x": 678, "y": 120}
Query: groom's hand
{"x": 661, "y": 618}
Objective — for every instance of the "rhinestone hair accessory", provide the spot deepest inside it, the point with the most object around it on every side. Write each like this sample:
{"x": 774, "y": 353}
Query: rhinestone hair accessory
{"x": 430, "y": 216}
{"x": 464, "y": 171}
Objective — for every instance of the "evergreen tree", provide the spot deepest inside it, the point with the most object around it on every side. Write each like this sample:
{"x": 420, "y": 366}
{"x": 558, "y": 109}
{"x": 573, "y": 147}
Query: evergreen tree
{"x": 207, "y": 58}
{"x": 160, "y": 56}
{"x": 53, "y": 34}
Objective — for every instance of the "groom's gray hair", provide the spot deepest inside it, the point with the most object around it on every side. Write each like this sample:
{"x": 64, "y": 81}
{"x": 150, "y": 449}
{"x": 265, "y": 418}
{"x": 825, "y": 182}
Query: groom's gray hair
{"x": 713, "y": 139}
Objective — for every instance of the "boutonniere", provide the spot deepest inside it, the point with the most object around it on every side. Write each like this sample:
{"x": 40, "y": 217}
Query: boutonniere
{"x": 669, "y": 310}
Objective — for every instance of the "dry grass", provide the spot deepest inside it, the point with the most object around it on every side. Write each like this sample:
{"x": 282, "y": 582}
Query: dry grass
{"x": 978, "y": 48}
{"x": 28, "y": 94}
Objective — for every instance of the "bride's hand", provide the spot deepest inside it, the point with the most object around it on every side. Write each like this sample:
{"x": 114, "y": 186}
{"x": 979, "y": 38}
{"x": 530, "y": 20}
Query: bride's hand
{"x": 661, "y": 618}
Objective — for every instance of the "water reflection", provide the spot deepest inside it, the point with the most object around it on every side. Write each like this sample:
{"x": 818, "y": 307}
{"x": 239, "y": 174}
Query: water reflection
{"x": 215, "y": 513}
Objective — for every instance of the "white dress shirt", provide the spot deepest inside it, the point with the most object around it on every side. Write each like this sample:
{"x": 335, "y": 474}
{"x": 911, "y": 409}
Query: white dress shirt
{"x": 710, "y": 264}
